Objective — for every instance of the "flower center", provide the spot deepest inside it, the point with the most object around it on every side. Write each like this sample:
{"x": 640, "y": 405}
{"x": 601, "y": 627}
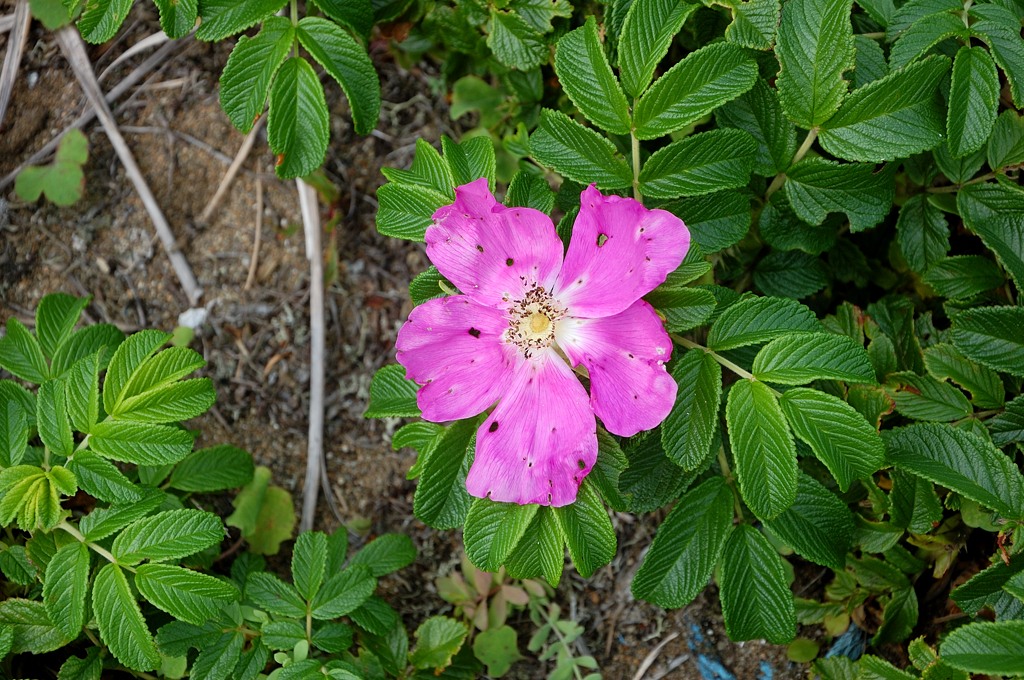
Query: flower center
{"x": 532, "y": 319}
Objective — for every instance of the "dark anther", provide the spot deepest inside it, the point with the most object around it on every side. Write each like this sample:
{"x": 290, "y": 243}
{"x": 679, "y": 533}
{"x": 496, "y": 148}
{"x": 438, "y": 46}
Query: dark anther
{"x": 474, "y": 332}
{"x": 479, "y": 247}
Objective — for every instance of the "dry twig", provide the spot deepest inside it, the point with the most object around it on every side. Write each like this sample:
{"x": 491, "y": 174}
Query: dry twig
{"x": 6, "y": 23}
{"x": 229, "y": 176}
{"x": 71, "y": 44}
{"x": 254, "y": 260}
{"x": 16, "y": 45}
{"x": 649, "y": 661}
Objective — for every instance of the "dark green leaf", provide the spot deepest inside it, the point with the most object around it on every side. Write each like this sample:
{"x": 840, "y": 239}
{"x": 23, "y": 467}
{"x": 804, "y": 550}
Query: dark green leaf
{"x": 65, "y": 588}
{"x": 646, "y": 35}
{"x": 700, "y": 164}
{"x": 816, "y": 187}
{"x": 297, "y": 125}
{"x": 588, "y": 531}
{"x": 986, "y": 647}
{"x": 493, "y": 530}
{"x": 245, "y": 82}
{"x": 760, "y": 319}
{"x": 995, "y": 212}
{"x": 690, "y": 426}
{"x": 386, "y": 553}
{"x": 991, "y": 336}
{"x": 790, "y": 273}
{"x": 922, "y": 233}
{"x": 973, "y": 101}
{"x": 214, "y": 469}
{"x": 343, "y": 592}
{"x": 577, "y": 152}
{"x": 121, "y": 625}
{"x": 756, "y": 599}
{"x": 514, "y": 42}
{"x": 583, "y": 70}
{"x": 222, "y": 18}
{"x": 759, "y": 113}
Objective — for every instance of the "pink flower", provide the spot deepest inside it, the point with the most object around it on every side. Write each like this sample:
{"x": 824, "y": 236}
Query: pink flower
{"x": 523, "y": 310}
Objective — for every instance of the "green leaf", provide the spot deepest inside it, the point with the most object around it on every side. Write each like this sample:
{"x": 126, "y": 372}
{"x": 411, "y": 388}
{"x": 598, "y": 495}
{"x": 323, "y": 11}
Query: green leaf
{"x": 356, "y": 14}
{"x": 391, "y": 394}
{"x": 52, "y": 14}
{"x": 309, "y": 562}
{"x": 540, "y": 13}
{"x": 514, "y": 42}
{"x": 783, "y": 230}
{"x": 428, "y": 170}
{"x": 374, "y": 616}
{"x": 343, "y": 592}
{"x": 869, "y": 62}
{"x": 588, "y": 531}
{"x": 52, "y": 418}
{"x": 218, "y": 659}
{"x": 541, "y": 550}
{"x": 214, "y": 469}
{"x": 222, "y": 18}
{"x": 470, "y": 160}
{"x": 915, "y": 505}
{"x": 184, "y": 594}
{"x": 103, "y": 522}
{"x": 405, "y": 211}
{"x": 386, "y": 554}
{"x": 963, "y": 276}
{"x": 82, "y": 393}
{"x": 140, "y": 443}
{"x": 690, "y": 426}
{"x": 700, "y": 164}
{"x": 65, "y": 588}
{"x": 816, "y": 187}
{"x": 264, "y": 513}
{"x": 814, "y": 47}
{"x": 103, "y": 338}
{"x": 437, "y": 640}
{"x": 100, "y": 20}
{"x": 181, "y": 401}
{"x": 922, "y": 233}
{"x": 986, "y": 588}
{"x": 347, "y": 62}
{"x": 756, "y": 599}
{"x": 754, "y": 23}
{"x": 121, "y": 625}
{"x": 683, "y": 308}
{"x": 167, "y": 536}
{"x": 894, "y": 117}
{"x": 441, "y": 499}
{"x": 986, "y": 647}
{"x": 991, "y": 336}
{"x": 818, "y": 525}
{"x": 925, "y": 398}
{"x": 297, "y": 126}
{"x": 177, "y": 17}
{"x": 839, "y": 436}
{"x": 102, "y": 479}
{"x": 763, "y": 448}
{"x": 577, "y": 152}
{"x": 13, "y": 433}
{"x": 646, "y": 35}
{"x": 1008, "y": 426}
{"x": 245, "y": 81}
{"x": 129, "y": 357}
{"x": 790, "y": 273}
{"x": 999, "y": 28}
{"x": 493, "y": 530}
{"x": 959, "y": 461}
{"x": 995, "y": 212}
{"x": 583, "y": 70}
{"x": 716, "y": 221}
{"x": 687, "y": 546}
{"x": 651, "y": 479}
{"x": 898, "y": 617}
{"x": 33, "y": 630}
{"x": 760, "y": 319}
{"x": 1006, "y": 145}
{"x": 269, "y": 592}
{"x": 56, "y": 317}
{"x": 497, "y": 649}
{"x": 924, "y": 31}
{"x": 89, "y": 668}
{"x": 973, "y": 101}
{"x": 759, "y": 113}
{"x": 799, "y": 359}
{"x": 697, "y": 85}
{"x": 21, "y": 354}
{"x": 527, "y": 190}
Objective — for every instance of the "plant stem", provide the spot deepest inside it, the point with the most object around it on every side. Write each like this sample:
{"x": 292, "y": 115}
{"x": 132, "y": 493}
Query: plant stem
{"x": 956, "y": 187}
{"x": 797, "y": 157}
{"x": 635, "y": 144}
{"x": 738, "y": 370}
{"x": 561, "y": 638}
{"x": 98, "y": 549}
{"x": 879, "y": 35}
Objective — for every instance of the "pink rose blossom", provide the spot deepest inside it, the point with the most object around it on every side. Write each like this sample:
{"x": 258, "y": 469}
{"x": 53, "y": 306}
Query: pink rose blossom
{"x": 523, "y": 311}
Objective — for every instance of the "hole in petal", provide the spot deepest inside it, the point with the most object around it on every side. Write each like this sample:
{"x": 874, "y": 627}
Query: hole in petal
{"x": 509, "y": 262}
{"x": 479, "y": 247}
{"x": 493, "y": 427}
{"x": 581, "y": 463}
{"x": 474, "y": 332}
{"x": 601, "y": 239}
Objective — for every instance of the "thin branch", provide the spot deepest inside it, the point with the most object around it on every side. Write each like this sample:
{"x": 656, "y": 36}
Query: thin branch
{"x": 229, "y": 176}
{"x": 255, "y": 258}
{"x": 649, "y": 661}
{"x": 74, "y": 50}
{"x": 15, "y": 48}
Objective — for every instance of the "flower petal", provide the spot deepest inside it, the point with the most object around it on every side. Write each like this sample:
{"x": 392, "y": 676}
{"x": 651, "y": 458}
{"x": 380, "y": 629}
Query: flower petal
{"x": 453, "y": 347}
{"x": 493, "y": 253}
{"x": 540, "y": 441}
{"x": 630, "y": 390}
{"x": 619, "y": 252}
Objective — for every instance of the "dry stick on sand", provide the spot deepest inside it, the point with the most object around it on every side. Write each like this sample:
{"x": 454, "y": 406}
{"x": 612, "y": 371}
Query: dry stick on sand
{"x": 74, "y": 50}
{"x": 158, "y": 58}
{"x": 6, "y": 23}
{"x": 255, "y": 258}
{"x": 229, "y": 176}
{"x": 16, "y": 45}
{"x": 315, "y": 449}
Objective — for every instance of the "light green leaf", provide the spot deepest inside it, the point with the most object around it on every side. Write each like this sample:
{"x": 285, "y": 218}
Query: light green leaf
{"x": 428, "y": 170}
{"x": 588, "y": 531}
{"x": 102, "y": 479}
{"x": 56, "y": 317}
{"x": 763, "y": 448}
{"x": 818, "y": 525}
{"x": 922, "y": 233}
{"x": 386, "y": 554}
{"x": 405, "y": 211}
{"x": 986, "y": 647}
{"x": 541, "y": 550}
{"x": 103, "y": 522}
{"x": 1006, "y": 145}
{"x": 700, "y": 164}
{"x": 309, "y": 562}
{"x": 52, "y": 418}
{"x": 540, "y": 13}
{"x": 814, "y": 47}
{"x": 991, "y": 336}
{"x": 760, "y": 319}
{"x": 184, "y": 594}
{"x": 690, "y": 426}
{"x": 21, "y": 354}
{"x": 34, "y": 632}
{"x": 77, "y": 668}
{"x": 687, "y": 546}
{"x": 995, "y": 212}
{"x": 697, "y": 85}
{"x": 646, "y": 35}
{"x": 583, "y": 70}
{"x": 493, "y": 530}
{"x": 514, "y": 42}
{"x": 13, "y": 433}
{"x": 214, "y": 469}
{"x": 754, "y": 23}
{"x": 347, "y": 62}
{"x": 799, "y": 359}
{"x": 756, "y": 599}
{"x": 222, "y": 18}
{"x": 470, "y": 159}
{"x": 129, "y": 357}
{"x": 343, "y": 592}
{"x": 100, "y": 20}
{"x": 167, "y": 536}
{"x": 140, "y": 443}
{"x": 82, "y": 392}
{"x": 816, "y": 187}
{"x": 960, "y": 461}
{"x": 245, "y": 81}
{"x": 269, "y": 592}
{"x": 180, "y": 401}
{"x": 65, "y": 588}
{"x": 577, "y": 152}
{"x": 839, "y": 436}
{"x": 496, "y": 648}
{"x": 103, "y": 338}
{"x": 297, "y": 125}
{"x": 177, "y": 17}
{"x": 121, "y": 625}
{"x": 759, "y": 113}
{"x": 391, "y": 394}
{"x": 437, "y": 640}
{"x": 973, "y": 101}
{"x": 925, "y": 398}
{"x": 894, "y": 117}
